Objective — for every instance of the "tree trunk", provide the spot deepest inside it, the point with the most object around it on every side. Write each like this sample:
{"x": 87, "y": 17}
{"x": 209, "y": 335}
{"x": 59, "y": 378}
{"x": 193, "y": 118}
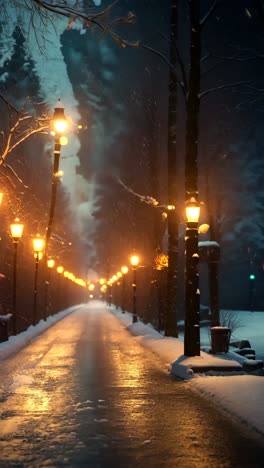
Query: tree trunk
{"x": 173, "y": 240}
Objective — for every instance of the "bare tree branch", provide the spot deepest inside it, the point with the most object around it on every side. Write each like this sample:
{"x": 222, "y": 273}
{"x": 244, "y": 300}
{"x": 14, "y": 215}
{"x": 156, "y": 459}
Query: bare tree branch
{"x": 159, "y": 54}
{"x": 209, "y": 12}
{"x": 218, "y": 88}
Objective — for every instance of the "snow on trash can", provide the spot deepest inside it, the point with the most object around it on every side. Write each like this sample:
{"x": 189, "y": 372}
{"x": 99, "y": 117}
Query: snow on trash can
{"x": 220, "y": 337}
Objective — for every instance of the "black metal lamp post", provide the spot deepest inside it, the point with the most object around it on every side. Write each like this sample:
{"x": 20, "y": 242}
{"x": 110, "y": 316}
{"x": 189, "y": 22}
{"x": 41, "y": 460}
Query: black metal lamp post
{"x": 50, "y": 265}
{"x": 124, "y": 270}
{"x": 38, "y": 245}
{"x": 60, "y": 270}
{"x": 192, "y": 293}
{"x": 16, "y": 233}
{"x": 134, "y": 260}
{"x": 119, "y": 276}
{"x": 58, "y": 126}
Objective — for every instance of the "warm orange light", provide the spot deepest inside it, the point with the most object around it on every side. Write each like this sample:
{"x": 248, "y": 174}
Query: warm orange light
{"x": 171, "y": 207}
{"x": 102, "y": 281}
{"x": 1, "y": 197}
{"x": 134, "y": 260}
{"x": 50, "y": 263}
{"x": 66, "y": 274}
{"x": 38, "y": 244}
{"x": 192, "y": 211}
{"x": 91, "y": 287}
{"x": 16, "y": 230}
{"x": 60, "y": 269}
{"x": 114, "y": 278}
{"x": 124, "y": 270}
{"x": 38, "y": 255}
{"x": 58, "y": 122}
{"x": 119, "y": 274}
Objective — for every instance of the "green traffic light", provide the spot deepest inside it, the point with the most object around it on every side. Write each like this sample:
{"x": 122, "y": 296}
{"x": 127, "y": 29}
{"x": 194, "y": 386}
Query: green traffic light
{"x": 252, "y": 277}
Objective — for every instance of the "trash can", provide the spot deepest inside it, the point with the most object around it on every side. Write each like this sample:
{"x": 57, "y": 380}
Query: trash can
{"x": 220, "y": 337}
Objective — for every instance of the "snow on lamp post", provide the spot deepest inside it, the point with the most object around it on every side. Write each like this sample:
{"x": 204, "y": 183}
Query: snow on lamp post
{"x": 50, "y": 265}
{"x": 38, "y": 245}
{"x": 58, "y": 126}
{"x": 192, "y": 293}
{"x": 60, "y": 270}
{"x": 134, "y": 261}
{"x": 16, "y": 233}
{"x": 124, "y": 271}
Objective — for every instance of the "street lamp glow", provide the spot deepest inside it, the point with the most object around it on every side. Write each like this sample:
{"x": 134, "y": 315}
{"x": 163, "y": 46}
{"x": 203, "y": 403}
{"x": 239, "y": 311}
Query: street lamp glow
{"x": 1, "y": 197}
{"x": 192, "y": 211}
{"x": 59, "y": 122}
{"x": 102, "y": 281}
{"x": 38, "y": 244}
{"x": 134, "y": 260}
{"x": 91, "y": 287}
{"x": 16, "y": 230}
{"x": 119, "y": 274}
{"x": 50, "y": 263}
{"x": 60, "y": 269}
{"x": 38, "y": 255}
{"x": 124, "y": 270}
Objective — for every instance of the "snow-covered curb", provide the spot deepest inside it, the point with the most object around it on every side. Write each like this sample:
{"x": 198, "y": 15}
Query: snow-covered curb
{"x": 172, "y": 349}
{"x": 15, "y": 343}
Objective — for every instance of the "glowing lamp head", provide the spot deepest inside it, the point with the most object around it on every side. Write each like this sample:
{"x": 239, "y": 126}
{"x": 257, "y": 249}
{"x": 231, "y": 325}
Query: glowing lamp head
{"x": 38, "y": 255}
{"x": 91, "y": 287}
{"x": 119, "y": 274}
{"x": 1, "y": 197}
{"x": 50, "y": 263}
{"x": 134, "y": 260}
{"x": 38, "y": 244}
{"x": 58, "y": 122}
{"x": 60, "y": 270}
{"x": 16, "y": 230}
{"x": 124, "y": 270}
{"x": 192, "y": 211}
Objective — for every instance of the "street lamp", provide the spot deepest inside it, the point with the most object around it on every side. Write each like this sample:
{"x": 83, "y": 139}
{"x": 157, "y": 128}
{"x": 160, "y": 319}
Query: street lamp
{"x": 50, "y": 265}
{"x": 58, "y": 126}
{"x": 16, "y": 234}
{"x": 109, "y": 283}
{"x": 124, "y": 270}
{"x": 38, "y": 244}
{"x": 134, "y": 260}
{"x": 60, "y": 270}
{"x": 192, "y": 293}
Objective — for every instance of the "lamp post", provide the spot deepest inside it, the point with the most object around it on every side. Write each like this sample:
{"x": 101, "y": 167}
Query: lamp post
{"x": 16, "y": 234}
{"x": 124, "y": 270}
{"x": 192, "y": 293}
{"x": 109, "y": 292}
{"x": 60, "y": 270}
{"x": 134, "y": 260}
{"x": 50, "y": 265}
{"x": 38, "y": 244}
{"x": 58, "y": 127}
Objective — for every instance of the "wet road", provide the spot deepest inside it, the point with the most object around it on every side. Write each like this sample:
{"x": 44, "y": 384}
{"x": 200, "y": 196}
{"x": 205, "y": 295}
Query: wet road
{"x": 85, "y": 393}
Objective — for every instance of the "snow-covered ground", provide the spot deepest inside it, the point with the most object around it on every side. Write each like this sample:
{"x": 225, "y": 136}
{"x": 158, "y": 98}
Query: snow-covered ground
{"x": 239, "y": 394}
{"x": 15, "y": 343}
